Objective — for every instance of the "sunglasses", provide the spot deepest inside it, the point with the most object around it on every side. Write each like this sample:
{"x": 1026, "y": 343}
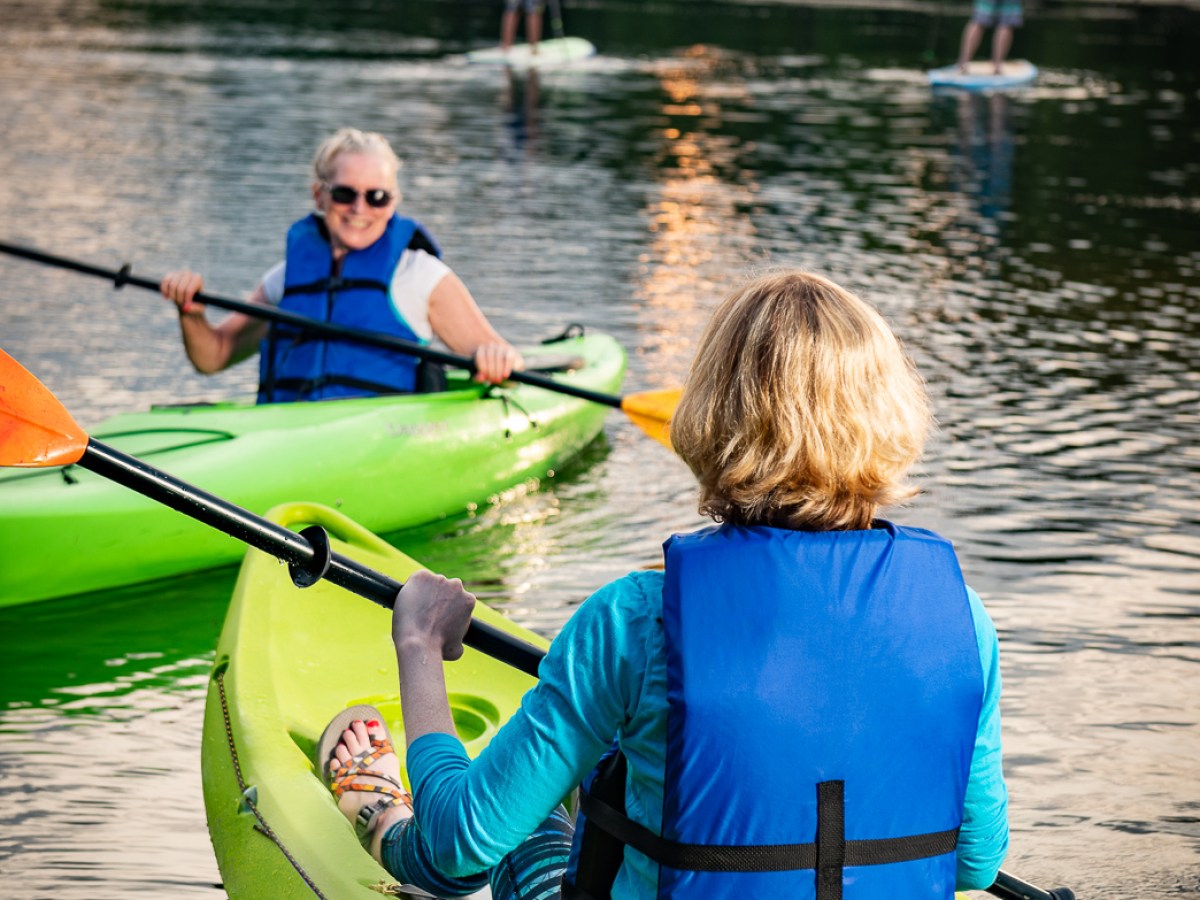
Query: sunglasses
{"x": 345, "y": 196}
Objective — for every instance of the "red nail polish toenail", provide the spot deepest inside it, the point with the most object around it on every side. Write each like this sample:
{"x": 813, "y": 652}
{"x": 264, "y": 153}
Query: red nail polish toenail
{"x": 374, "y": 723}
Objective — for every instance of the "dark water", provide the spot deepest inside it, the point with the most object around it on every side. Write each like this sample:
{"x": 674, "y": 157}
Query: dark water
{"x": 1039, "y": 252}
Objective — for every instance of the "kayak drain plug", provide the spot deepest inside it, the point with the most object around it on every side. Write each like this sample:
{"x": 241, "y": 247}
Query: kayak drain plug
{"x": 309, "y": 573}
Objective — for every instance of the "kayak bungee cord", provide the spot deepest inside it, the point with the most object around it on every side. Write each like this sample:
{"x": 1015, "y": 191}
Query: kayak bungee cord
{"x": 250, "y": 794}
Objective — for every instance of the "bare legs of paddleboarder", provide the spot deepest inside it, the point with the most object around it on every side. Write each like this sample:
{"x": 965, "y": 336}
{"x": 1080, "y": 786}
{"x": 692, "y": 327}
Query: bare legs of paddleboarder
{"x": 533, "y": 23}
{"x": 1005, "y": 15}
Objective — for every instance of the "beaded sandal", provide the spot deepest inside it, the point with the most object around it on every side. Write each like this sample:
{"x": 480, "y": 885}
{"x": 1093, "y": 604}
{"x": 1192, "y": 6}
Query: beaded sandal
{"x": 345, "y": 776}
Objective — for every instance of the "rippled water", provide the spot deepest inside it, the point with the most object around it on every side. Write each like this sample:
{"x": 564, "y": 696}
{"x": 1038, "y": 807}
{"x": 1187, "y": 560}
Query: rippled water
{"x": 1039, "y": 252}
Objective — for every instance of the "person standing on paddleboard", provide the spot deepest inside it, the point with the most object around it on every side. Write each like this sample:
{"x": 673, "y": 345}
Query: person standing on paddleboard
{"x": 804, "y": 703}
{"x": 353, "y": 261}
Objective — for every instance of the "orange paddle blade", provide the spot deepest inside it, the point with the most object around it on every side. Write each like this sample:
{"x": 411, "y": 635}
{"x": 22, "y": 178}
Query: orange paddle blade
{"x": 651, "y": 411}
{"x": 36, "y": 430}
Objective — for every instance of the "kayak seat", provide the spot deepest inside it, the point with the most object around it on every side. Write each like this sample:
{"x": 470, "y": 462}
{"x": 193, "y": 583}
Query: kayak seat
{"x": 431, "y": 378}
{"x": 554, "y": 362}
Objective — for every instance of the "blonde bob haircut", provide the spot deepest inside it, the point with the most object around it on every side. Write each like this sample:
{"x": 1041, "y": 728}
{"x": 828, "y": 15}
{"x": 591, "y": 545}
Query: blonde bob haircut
{"x": 351, "y": 140}
{"x": 801, "y": 409}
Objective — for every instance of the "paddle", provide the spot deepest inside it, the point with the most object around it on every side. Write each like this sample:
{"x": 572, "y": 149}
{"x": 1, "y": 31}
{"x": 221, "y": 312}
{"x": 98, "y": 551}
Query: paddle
{"x": 649, "y": 410}
{"x": 556, "y": 20}
{"x": 36, "y": 431}
{"x": 1009, "y": 887}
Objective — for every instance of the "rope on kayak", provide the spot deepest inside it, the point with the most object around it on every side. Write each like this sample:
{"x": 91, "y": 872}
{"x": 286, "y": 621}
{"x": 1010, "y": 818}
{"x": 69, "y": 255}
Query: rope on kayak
{"x": 510, "y": 402}
{"x": 392, "y": 890}
{"x": 248, "y": 800}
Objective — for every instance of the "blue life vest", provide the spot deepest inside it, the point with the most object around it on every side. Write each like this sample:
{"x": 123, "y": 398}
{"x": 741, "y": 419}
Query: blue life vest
{"x": 295, "y": 365}
{"x": 824, "y": 691}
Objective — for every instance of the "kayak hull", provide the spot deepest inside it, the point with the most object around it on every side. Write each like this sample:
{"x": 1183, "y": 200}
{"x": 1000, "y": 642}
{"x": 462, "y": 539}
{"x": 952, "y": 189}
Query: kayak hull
{"x": 390, "y": 462}
{"x": 288, "y": 660}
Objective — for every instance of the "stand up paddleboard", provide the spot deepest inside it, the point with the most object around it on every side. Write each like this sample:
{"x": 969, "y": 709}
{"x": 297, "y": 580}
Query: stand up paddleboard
{"x": 981, "y": 76}
{"x": 552, "y": 53}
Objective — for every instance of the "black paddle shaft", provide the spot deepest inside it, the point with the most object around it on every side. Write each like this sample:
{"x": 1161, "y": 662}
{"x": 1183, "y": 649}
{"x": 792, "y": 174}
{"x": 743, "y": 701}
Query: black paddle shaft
{"x": 1009, "y": 887}
{"x": 308, "y": 559}
{"x": 122, "y": 277}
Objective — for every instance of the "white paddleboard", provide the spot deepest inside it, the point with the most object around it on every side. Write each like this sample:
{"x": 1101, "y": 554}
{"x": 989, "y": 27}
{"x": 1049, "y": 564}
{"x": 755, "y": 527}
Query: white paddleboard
{"x": 981, "y": 76}
{"x": 549, "y": 54}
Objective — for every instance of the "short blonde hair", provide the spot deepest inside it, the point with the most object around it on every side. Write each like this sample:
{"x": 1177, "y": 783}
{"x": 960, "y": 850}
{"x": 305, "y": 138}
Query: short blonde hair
{"x": 351, "y": 140}
{"x": 801, "y": 410}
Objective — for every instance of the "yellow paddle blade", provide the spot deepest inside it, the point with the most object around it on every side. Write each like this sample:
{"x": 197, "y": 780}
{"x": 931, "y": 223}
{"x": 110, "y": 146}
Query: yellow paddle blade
{"x": 36, "y": 430}
{"x": 651, "y": 411}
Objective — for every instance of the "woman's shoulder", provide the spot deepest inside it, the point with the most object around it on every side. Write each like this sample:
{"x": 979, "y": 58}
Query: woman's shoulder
{"x": 626, "y": 610}
{"x": 638, "y": 590}
{"x": 617, "y": 629}
{"x": 418, "y": 263}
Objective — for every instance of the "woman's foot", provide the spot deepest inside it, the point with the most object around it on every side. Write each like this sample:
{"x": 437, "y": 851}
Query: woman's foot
{"x": 364, "y": 775}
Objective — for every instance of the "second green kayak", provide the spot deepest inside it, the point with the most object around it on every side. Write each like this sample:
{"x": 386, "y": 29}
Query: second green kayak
{"x": 389, "y": 462}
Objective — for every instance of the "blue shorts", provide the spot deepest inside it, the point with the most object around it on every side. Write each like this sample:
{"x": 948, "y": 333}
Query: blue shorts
{"x": 532, "y": 871}
{"x": 531, "y": 6}
{"x": 998, "y": 12}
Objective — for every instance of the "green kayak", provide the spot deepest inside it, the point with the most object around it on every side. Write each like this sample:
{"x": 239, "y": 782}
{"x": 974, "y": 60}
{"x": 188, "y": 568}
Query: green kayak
{"x": 389, "y": 462}
{"x": 288, "y": 660}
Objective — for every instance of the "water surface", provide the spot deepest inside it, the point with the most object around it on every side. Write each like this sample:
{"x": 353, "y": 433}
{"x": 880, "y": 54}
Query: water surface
{"x": 1038, "y": 251}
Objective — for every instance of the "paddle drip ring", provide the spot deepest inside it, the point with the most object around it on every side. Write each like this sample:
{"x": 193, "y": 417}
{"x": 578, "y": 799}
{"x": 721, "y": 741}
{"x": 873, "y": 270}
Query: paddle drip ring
{"x": 309, "y": 573}
{"x": 122, "y": 277}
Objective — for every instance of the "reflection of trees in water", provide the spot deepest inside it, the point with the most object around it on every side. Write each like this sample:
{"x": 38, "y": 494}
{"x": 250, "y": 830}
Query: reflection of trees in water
{"x": 86, "y": 655}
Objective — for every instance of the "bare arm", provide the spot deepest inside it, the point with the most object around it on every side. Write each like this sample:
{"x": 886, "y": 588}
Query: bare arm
{"x": 212, "y": 348}
{"x": 457, "y": 319}
{"x": 429, "y": 619}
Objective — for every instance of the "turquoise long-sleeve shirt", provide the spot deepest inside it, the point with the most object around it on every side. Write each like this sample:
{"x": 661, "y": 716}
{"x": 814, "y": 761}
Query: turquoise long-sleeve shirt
{"x": 605, "y": 678}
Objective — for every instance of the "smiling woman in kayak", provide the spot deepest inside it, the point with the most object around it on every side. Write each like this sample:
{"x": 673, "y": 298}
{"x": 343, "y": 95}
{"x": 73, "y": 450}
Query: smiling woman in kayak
{"x": 352, "y": 261}
{"x": 803, "y": 704}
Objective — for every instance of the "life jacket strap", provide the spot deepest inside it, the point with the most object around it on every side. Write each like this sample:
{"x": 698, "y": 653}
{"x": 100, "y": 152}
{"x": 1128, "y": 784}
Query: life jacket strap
{"x": 303, "y": 386}
{"x": 828, "y": 855}
{"x": 321, "y": 285}
{"x": 831, "y": 839}
{"x": 430, "y": 379}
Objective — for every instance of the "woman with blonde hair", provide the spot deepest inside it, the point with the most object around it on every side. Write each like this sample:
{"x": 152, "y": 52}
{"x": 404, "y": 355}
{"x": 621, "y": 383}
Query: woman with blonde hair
{"x": 352, "y": 261}
{"x": 803, "y": 704}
